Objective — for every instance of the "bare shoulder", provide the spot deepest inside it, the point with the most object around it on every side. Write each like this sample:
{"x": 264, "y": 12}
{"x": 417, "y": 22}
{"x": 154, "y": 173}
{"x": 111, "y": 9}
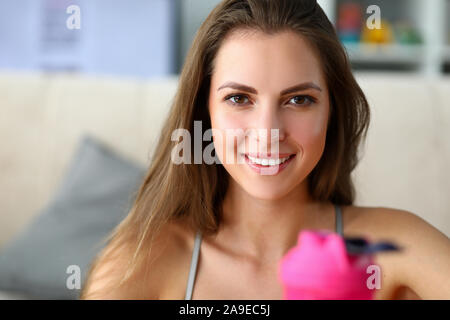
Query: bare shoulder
{"x": 380, "y": 222}
{"x": 105, "y": 275}
{"x": 421, "y": 268}
{"x": 162, "y": 268}
{"x": 174, "y": 263}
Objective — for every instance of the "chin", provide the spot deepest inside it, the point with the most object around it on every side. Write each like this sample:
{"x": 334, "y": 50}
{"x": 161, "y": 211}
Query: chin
{"x": 258, "y": 191}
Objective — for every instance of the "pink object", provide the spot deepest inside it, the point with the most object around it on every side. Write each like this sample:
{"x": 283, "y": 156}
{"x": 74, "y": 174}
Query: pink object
{"x": 319, "y": 268}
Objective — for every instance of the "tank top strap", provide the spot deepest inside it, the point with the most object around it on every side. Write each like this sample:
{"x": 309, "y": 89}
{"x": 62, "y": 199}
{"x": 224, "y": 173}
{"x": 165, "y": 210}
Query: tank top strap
{"x": 339, "y": 222}
{"x": 193, "y": 268}
{"x": 197, "y": 243}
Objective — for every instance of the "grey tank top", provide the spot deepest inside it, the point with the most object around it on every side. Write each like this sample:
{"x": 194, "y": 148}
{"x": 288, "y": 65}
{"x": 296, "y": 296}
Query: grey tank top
{"x": 198, "y": 240}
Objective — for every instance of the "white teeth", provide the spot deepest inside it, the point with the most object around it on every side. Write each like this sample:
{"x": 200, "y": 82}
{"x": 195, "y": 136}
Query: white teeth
{"x": 268, "y": 162}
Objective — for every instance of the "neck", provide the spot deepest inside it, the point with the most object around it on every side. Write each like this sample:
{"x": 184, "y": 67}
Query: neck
{"x": 262, "y": 230}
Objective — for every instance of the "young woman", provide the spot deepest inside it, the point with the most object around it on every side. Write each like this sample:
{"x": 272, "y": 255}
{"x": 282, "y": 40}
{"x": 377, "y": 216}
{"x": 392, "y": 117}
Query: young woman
{"x": 218, "y": 231}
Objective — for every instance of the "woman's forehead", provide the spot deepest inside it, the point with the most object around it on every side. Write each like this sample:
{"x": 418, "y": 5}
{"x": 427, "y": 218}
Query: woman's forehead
{"x": 274, "y": 60}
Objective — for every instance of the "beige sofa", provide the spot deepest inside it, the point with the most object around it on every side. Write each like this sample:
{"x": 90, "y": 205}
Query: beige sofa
{"x": 406, "y": 160}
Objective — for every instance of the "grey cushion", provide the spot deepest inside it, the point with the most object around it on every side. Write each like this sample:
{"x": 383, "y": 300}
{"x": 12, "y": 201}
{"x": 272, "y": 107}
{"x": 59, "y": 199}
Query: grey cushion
{"x": 95, "y": 195}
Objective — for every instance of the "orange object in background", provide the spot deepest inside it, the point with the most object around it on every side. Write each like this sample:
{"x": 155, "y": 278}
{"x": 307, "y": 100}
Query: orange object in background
{"x": 383, "y": 35}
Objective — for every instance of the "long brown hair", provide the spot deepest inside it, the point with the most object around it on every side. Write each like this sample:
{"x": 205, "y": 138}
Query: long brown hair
{"x": 194, "y": 192}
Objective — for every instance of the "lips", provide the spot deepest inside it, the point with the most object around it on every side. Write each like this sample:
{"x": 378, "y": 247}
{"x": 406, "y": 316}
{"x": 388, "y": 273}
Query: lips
{"x": 269, "y": 155}
{"x": 268, "y": 161}
{"x": 269, "y": 169}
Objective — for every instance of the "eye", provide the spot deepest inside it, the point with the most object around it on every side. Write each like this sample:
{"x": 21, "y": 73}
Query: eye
{"x": 303, "y": 100}
{"x": 236, "y": 99}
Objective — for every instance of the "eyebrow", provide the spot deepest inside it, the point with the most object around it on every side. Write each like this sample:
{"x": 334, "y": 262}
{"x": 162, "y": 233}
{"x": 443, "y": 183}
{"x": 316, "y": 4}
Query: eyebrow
{"x": 298, "y": 87}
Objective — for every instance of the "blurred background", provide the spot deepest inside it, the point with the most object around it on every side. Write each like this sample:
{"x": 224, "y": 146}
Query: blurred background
{"x": 415, "y": 35}
{"x": 85, "y": 86}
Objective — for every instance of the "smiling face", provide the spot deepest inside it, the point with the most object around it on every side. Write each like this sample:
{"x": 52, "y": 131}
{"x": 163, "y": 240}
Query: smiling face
{"x": 268, "y": 82}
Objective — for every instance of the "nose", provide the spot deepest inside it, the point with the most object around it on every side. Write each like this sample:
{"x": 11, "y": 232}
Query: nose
{"x": 268, "y": 127}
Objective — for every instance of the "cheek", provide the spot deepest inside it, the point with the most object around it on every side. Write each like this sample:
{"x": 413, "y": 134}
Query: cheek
{"x": 309, "y": 131}
{"x": 228, "y": 132}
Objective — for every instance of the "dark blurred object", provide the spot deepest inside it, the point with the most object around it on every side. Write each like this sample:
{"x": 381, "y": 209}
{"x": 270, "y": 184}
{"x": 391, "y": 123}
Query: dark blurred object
{"x": 362, "y": 246}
